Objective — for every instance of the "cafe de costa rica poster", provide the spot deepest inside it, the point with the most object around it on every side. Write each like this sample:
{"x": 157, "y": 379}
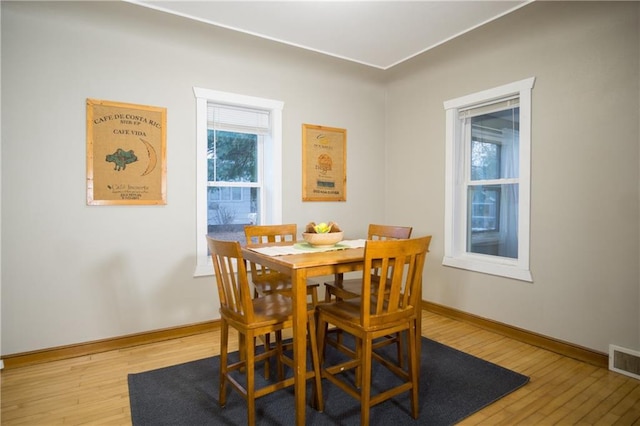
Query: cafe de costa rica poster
{"x": 126, "y": 153}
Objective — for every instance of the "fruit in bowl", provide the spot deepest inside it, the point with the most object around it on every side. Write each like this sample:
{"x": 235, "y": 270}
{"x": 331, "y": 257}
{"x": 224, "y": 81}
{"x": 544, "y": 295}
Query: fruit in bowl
{"x": 323, "y": 228}
{"x": 322, "y": 234}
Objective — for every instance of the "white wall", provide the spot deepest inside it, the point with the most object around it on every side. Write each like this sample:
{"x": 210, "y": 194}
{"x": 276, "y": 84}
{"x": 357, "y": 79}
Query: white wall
{"x": 1, "y": 362}
{"x": 584, "y": 203}
{"x": 75, "y": 273}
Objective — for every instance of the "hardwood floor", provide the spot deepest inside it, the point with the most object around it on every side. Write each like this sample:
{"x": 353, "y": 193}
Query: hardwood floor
{"x": 93, "y": 389}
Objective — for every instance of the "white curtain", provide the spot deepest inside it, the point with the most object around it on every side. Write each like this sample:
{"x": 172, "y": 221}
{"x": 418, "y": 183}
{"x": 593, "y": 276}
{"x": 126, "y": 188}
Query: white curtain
{"x": 461, "y": 158}
{"x": 510, "y": 154}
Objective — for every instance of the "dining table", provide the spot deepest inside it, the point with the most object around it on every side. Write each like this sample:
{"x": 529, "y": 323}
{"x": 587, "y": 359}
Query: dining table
{"x": 301, "y": 261}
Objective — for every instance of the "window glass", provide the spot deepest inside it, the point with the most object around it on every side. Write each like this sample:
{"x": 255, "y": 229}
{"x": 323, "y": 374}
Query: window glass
{"x": 234, "y": 184}
{"x": 493, "y": 220}
{"x": 494, "y": 147}
{"x": 484, "y": 209}
{"x": 232, "y": 159}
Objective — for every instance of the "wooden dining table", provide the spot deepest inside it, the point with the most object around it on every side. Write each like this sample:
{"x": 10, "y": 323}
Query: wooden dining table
{"x": 300, "y": 267}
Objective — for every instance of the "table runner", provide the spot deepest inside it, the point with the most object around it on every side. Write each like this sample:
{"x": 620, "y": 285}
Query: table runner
{"x": 303, "y": 247}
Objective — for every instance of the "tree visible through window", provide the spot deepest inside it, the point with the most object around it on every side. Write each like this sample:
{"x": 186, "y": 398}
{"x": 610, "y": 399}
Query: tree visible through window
{"x": 233, "y": 157}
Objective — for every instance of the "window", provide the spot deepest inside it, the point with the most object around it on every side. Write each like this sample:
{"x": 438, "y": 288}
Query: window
{"x": 221, "y": 194}
{"x": 238, "y": 170}
{"x": 488, "y": 181}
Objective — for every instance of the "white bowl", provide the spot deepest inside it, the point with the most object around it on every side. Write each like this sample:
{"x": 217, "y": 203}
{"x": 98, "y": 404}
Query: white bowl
{"x": 328, "y": 239}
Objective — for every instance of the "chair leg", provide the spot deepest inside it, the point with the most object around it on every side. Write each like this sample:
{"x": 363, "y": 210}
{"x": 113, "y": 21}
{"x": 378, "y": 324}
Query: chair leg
{"x": 365, "y": 384}
{"x": 267, "y": 347}
{"x": 327, "y": 294}
{"x": 413, "y": 368}
{"x": 318, "y": 400}
{"x": 251, "y": 385}
{"x": 279, "y": 354}
{"x": 359, "y": 355}
{"x": 224, "y": 343}
{"x": 321, "y": 340}
{"x": 339, "y": 339}
{"x": 399, "y": 349}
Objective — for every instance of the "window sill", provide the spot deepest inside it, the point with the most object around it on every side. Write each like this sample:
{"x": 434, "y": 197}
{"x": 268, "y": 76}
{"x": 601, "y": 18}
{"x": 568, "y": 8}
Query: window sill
{"x": 502, "y": 269}
{"x": 204, "y": 268}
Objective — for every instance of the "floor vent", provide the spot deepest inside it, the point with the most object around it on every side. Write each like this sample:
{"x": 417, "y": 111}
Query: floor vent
{"x": 624, "y": 361}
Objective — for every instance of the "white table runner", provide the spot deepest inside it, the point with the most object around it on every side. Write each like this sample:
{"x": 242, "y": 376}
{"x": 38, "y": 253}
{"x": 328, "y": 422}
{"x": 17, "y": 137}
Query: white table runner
{"x": 303, "y": 247}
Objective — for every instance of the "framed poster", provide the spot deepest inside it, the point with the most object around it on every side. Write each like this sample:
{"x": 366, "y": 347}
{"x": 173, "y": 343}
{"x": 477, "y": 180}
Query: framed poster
{"x": 324, "y": 163}
{"x": 126, "y": 153}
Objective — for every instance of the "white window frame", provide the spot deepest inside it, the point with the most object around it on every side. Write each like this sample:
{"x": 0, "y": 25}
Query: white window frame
{"x": 271, "y": 197}
{"x": 455, "y": 253}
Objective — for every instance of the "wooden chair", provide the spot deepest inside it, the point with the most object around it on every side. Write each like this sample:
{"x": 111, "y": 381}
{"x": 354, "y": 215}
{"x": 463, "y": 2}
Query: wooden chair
{"x": 400, "y": 263}
{"x": 253, "y": 317}
{"x": 342, "y": 289}
{"x": 266, "y": 281}
{"x": 348, "y": 289}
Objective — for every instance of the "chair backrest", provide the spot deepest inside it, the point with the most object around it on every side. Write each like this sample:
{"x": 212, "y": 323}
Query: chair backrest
{"x": 401, "y": 263}
{"x": 387, "y": 232}
{"x": 258, "y": 234}
{"x": 233, "y": 285}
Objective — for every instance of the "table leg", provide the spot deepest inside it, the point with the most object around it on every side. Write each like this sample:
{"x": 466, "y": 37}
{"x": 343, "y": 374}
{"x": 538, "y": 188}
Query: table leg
{"x": 419, "y": 329}
{"x": 299, "y": 279}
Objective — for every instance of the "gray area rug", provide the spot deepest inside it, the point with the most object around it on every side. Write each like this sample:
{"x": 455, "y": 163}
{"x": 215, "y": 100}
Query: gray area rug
{"x": 453, "y": 385}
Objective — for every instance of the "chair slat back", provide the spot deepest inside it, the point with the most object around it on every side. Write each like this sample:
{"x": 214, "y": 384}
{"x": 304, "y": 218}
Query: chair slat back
{"x": 387, "y": 232}
{"x": 233, "y": 285}
{"x": 259, "y": 234}
{"x": 400, "y": 263}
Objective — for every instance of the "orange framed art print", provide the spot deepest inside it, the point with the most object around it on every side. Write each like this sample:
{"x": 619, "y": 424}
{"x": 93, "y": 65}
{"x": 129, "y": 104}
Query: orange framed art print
{"x": 324, "y": 163}
{"x": 126, "y": 153}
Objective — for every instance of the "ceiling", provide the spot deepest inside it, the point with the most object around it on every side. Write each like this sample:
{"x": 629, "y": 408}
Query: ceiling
{"x": 379, "y": 34}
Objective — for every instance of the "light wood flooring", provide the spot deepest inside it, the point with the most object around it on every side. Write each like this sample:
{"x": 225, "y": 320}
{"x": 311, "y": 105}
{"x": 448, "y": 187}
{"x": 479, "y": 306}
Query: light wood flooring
{"x": 93, "y": 389}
